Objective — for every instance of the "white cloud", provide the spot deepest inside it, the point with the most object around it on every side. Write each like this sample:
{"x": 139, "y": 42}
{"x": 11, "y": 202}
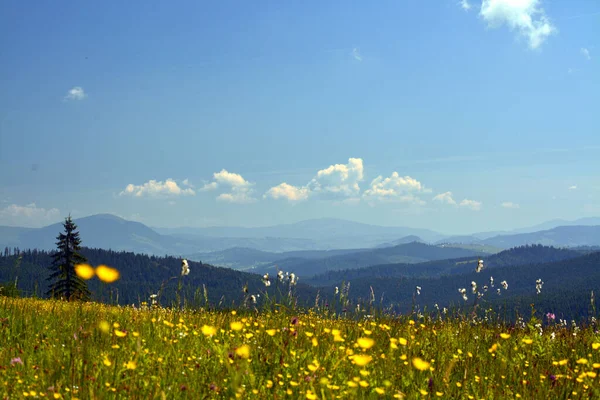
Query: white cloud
{"x": 29, "y": 215}
{"x": 524, "y": 16}
{"x": 231, "y": 179}
{"x": 586, "y": 53}
{"x": 208, "y": 187}
{"x": 76, "y": 93}
{"x": 465, "y": 5}
{"x": 240, "y": 190}
{"x": 574, "y": 187}
{"x": 510, "y": 204}
{"x": 154, "y": 188}
{"x": 338, "y": 180}
{"x": 445, "y": 198}
{"x": 187, "y": 183}
{"x": 472, "y": 204}
{"x": 395, "y": 188}
{"x": 289, "y": 192}
{"x": 237, "y": 196}
{"x": 356, "y": 54}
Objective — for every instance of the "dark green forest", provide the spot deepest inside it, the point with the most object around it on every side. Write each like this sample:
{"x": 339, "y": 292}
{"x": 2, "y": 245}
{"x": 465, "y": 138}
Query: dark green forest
{"x": 523, "y": 255}
{"x": 143, "y": 275}
{"x": 569, "y": 278}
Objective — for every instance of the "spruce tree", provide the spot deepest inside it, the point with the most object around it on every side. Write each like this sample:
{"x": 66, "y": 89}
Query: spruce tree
{"x": 66, "y": 284}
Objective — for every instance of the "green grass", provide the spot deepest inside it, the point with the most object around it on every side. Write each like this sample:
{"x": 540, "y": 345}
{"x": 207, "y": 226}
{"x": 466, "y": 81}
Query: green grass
{"x": 54, "y": 349}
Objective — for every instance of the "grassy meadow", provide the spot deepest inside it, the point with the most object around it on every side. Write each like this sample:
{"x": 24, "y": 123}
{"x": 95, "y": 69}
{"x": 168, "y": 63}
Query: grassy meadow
{"x": 55, "y": 349}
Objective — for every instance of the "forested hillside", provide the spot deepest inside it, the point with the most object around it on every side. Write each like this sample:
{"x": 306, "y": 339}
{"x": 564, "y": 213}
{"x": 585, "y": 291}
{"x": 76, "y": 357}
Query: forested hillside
{"x": 565, "y": 291}
{"x": 523, "y": 255}
{"x": 408, "y": 253}
{"x": 143, "y": 275}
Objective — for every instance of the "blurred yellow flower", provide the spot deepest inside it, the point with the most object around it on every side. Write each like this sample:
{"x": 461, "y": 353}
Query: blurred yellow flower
{"x": 271, "y": 332}
{"x": 505, "y": 335}
{"x": 84, "y": 271}
{"x": 243, "y": 351}
{"x": 104, "y": 326}
{"x": 107, "y": 274}
{"x": 420, "y": 364}
{"x": 362, "y": 360}
{"x": 365, "y": 343}
{"x": 236, "y": 326}
{"x": 131, "y": 365}
{"x": 208, "y": 330}
{"x": 119, "y": 333}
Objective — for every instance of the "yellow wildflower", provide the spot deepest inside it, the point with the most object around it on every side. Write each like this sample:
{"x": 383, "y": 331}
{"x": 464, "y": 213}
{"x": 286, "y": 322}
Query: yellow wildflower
{"x": 243, "y": 351}
{"x": 84, "y": 271}
{"x": 107, "y": 274}
{"x": 365, "y": 343}
{"x": 208, "y": 330}
{"x": 236, "y": 326}
{"x": 362, "y": 360}
{"x": 420, "y": 364}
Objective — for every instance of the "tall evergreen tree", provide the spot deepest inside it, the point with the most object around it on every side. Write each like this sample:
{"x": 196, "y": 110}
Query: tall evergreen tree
{"x": 66, "y": 284}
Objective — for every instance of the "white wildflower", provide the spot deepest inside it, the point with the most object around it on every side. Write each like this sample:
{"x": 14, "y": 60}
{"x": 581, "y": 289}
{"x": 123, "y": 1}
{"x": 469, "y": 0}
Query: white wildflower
{"x": 538, "y": 286}
{"x": 266, "y": 280}
{"x": 293, "y": 279}
{"x": 479, "y": 266}
{"x": 185, "y": 268}
{"x": 504, "y": 285}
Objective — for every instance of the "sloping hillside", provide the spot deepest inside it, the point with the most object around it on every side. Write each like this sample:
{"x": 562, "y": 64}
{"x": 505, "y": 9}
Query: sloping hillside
{"x": 567, "y": 236}
{"x": 566, "y": 289}
{"x": 142, "y": 275}
{"x": 524, "y": 255}
{"x": 405, "y": 253}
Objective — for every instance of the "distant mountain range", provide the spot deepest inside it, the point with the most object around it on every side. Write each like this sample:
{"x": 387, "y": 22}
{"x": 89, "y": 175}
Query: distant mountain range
{"x": 408, "y": 253}
{"x": 561, "y": 236}
{"x": 317, "y": 229}
{"x": 110, "y": 232}
{"x": 502, "y": 237}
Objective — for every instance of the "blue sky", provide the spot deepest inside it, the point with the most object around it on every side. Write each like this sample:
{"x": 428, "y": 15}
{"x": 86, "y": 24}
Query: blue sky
{"x": 475, "y": 115}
